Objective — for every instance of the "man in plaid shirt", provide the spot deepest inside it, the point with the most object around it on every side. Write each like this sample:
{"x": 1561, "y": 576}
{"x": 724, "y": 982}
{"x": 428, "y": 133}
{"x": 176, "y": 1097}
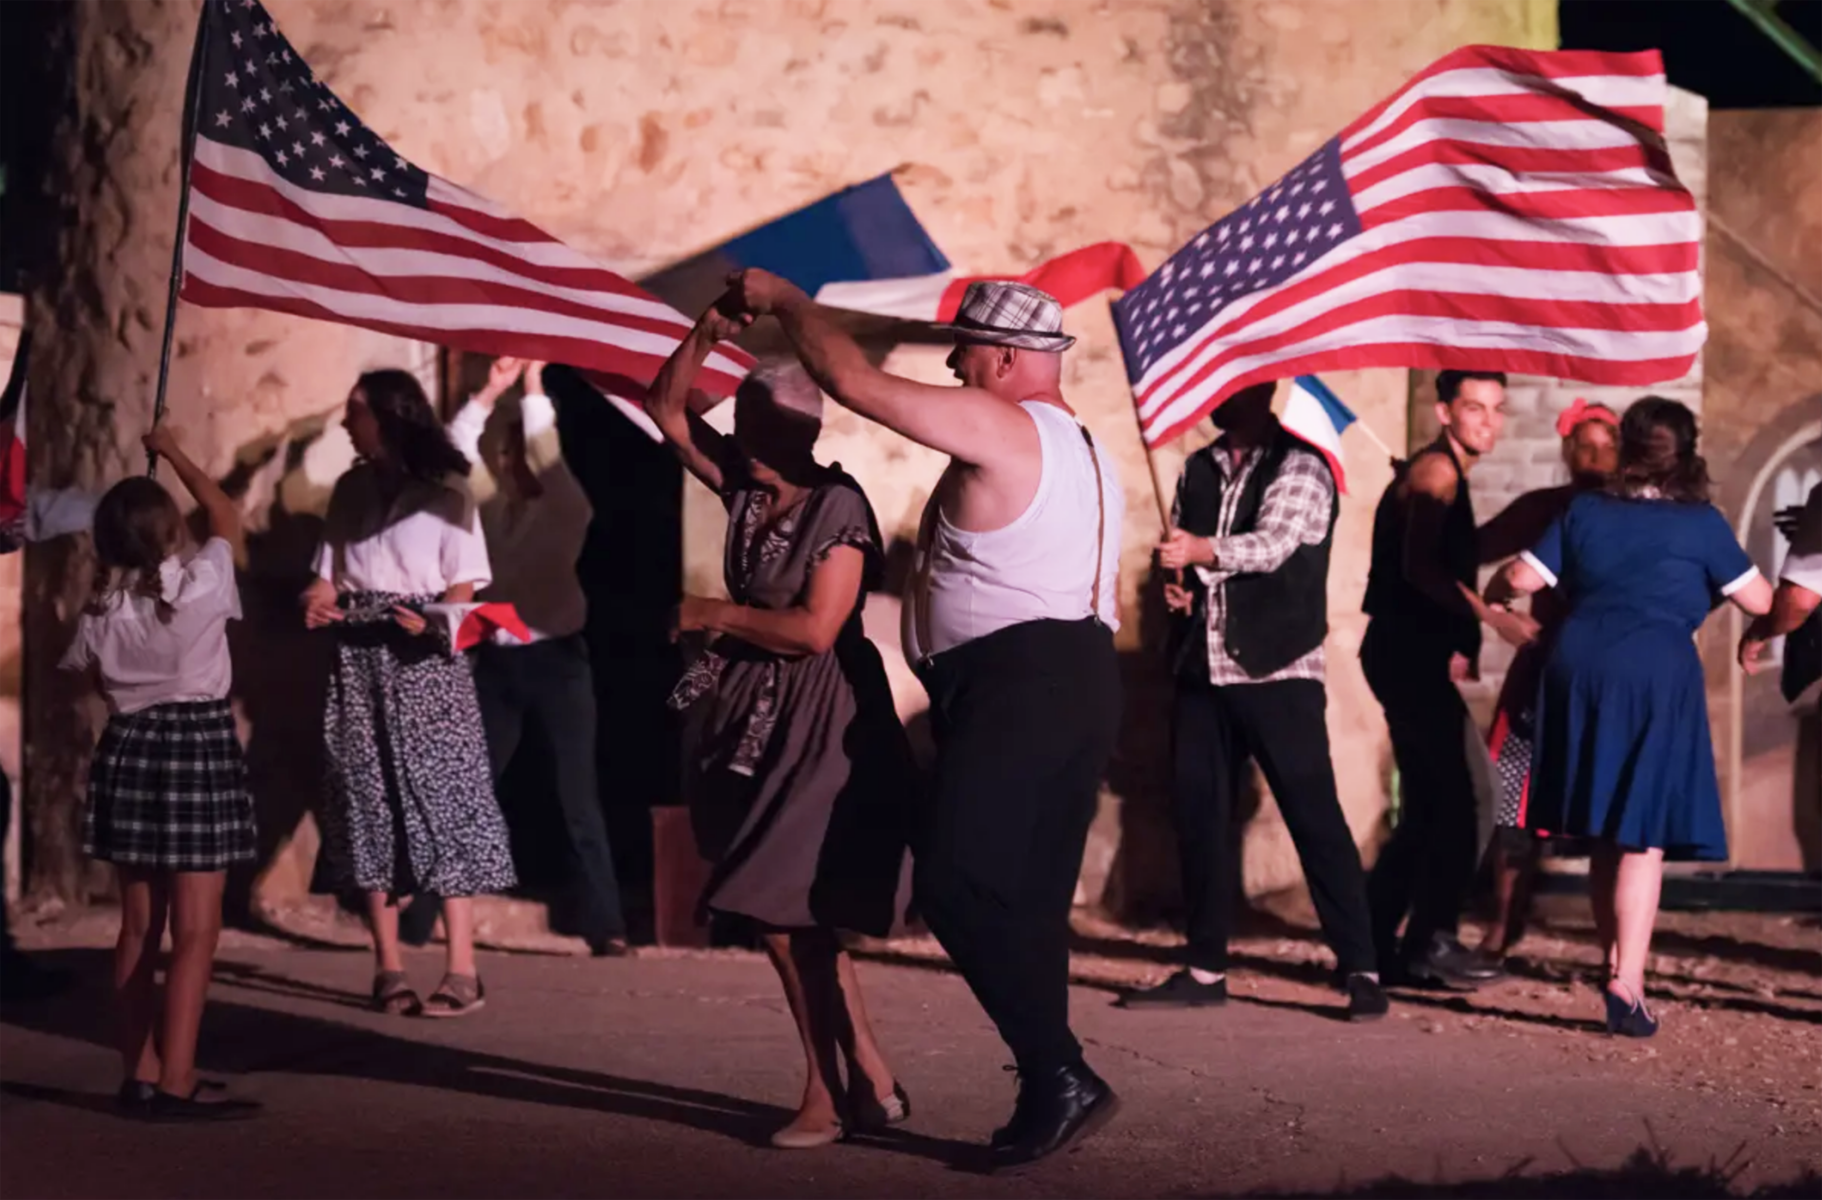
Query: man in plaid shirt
{"x": 1252, "y": 526}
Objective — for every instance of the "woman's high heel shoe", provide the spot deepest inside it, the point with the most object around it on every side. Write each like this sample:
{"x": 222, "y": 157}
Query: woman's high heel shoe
{"x": 1627, "y": 1017}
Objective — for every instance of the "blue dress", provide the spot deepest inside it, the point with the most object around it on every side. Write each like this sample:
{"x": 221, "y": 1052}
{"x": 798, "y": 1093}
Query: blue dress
{"x": 1623, "y": 751}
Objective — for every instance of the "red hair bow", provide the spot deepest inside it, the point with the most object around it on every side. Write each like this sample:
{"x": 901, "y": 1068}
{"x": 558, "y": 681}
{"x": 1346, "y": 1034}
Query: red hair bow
{"x": 1580, "y": 413}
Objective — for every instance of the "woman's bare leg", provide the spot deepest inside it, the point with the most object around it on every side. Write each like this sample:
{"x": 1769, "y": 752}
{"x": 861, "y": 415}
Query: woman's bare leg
{"x": 143, "y": 902}
{"x": 195, "y": 931}
{"x": 1514, "y": 868}
{"x": 822, "y": 1076}
{"x": 1639, "y": 882}
{"x": 458, "y": 926}
{"x": 865, "y": 1059}
{"x": 383, "y": 920}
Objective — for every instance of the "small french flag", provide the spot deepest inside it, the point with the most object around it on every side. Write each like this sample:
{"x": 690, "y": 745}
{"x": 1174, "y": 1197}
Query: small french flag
{"x": 1317, "y": 415}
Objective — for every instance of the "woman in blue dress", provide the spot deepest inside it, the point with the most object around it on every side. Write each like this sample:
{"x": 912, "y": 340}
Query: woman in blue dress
{"x": 1623, "y": 753}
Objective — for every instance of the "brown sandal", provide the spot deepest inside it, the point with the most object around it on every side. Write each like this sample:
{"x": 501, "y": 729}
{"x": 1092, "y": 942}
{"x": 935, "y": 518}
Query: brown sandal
{"x": 456, "y": 996}
{"x": 392, "y": 995}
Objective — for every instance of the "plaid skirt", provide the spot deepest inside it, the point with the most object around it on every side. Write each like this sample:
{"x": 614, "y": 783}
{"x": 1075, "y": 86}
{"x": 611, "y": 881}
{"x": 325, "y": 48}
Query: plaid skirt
{"x": 168, "y": 791}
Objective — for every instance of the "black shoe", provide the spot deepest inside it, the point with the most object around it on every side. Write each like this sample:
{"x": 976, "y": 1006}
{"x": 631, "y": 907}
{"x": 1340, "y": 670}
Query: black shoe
{"x": 1179, "y": 991}
{"x": 166, "y": 1108}
{"x": 609, "y": 947}
{"x": 135, "y": 1096}
{"x": 1055, "y": 1111}
{"x": 1366, "y": 999}
{"x": 1448, "y": 963}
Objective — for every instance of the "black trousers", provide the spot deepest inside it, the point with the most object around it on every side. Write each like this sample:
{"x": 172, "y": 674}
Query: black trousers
{"x": 1427, "y": 868}
{"x": 1282, "y": 725}
{"x": 1024, "y": 722}
{"x": 548, "y": 688}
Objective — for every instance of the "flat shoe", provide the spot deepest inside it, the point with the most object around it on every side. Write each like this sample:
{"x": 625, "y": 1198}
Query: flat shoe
{"x": 867, "y": 1112}
{"x": 793, "y": 1138}
{"x": 166, "y": 1108}
{"x": 456, "y": 996}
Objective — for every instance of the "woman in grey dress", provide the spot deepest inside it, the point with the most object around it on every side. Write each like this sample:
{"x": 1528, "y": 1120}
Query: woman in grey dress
{"x": 800, "y": 776}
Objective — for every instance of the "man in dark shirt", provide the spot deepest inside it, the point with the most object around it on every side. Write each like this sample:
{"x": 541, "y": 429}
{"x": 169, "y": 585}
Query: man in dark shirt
{"x": 1423, "y": 639}
{"x": 1254, "y": 520}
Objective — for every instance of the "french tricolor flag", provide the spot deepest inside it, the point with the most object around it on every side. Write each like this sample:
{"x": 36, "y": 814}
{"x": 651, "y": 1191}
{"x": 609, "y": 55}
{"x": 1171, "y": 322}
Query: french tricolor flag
{"x": 864, "y": 250}
{"x": 1317, "y": 415}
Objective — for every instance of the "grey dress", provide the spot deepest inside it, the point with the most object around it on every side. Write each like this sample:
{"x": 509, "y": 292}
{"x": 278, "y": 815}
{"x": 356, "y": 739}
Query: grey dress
{"x": 799, "y": 777}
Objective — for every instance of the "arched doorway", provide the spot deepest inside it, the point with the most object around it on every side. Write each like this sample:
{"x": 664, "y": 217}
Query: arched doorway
{"x": 1775, "y": 808}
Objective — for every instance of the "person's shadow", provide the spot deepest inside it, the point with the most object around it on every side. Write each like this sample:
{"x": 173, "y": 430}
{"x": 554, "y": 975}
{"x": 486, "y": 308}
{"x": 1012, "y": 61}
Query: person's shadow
{"x": 241, "y": 1038}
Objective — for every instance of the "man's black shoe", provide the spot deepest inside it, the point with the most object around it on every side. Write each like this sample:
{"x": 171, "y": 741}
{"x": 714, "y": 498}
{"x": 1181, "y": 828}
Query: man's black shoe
{"x": 1056, "y": 1110}
{"x": 1451, "y": 964}
{"x": 1366, "y": 999}
{"x": 1179, "y": 991}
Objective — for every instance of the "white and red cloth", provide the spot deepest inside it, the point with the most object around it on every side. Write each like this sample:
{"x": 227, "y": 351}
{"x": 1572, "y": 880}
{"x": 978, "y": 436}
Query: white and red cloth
{"x": 465, "y": 626}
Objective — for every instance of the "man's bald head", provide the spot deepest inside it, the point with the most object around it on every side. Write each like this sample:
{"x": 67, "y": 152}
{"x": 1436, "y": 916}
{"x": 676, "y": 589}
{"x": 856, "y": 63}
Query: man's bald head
{"x": 1008, "y": 372}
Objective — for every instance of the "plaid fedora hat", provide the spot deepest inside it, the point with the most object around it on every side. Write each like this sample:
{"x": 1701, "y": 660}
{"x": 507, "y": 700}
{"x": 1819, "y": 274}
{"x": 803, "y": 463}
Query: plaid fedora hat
{"x": 1002, "y": 313}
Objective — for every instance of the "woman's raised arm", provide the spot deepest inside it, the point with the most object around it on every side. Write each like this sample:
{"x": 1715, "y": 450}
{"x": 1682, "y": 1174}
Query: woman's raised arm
{"x": 697, "y": 445}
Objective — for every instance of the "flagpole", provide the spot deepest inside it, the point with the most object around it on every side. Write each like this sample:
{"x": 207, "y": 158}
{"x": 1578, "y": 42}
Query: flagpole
{"x": 1375, "y": 439}
{"x": 192, "y": 101}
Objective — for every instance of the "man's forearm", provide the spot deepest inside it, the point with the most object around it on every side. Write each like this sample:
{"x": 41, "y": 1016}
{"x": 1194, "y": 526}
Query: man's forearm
{"x": 833, "y": 358}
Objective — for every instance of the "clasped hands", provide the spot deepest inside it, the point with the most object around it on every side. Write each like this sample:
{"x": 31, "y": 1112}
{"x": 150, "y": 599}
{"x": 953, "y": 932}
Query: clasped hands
{"x": 751, "y": 294}
{"x": 322, "y": 608}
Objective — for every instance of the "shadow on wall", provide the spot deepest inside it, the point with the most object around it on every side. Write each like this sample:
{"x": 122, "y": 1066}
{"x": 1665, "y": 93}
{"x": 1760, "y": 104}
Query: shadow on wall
{"x": 630, "y": 569}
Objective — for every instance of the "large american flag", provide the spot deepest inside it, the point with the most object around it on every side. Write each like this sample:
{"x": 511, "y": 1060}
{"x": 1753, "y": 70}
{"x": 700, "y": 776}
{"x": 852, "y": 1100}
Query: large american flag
{"x": 1504, "y": 210}
{"x": 296, "y": 205}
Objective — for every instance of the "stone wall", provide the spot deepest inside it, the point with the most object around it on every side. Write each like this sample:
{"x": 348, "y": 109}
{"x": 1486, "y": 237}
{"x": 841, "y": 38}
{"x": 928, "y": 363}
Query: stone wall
{"x": 1762, "y": 435}
{"x": 644, "y": 132}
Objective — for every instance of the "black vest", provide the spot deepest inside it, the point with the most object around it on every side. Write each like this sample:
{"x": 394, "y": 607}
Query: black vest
{"x": 1392, "y": 600}
{"x": 1272, "y": 619}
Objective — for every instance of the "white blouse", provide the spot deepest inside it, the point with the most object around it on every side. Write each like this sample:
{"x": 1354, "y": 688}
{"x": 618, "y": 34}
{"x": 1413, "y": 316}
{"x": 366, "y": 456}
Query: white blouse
{"x": 145, "y": 658}
{"x": 421, "y": 544}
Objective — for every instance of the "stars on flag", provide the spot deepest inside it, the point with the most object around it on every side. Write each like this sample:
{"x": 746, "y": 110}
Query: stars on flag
{"x": 1259, "y": 246}
{"x": 261, "y": 97}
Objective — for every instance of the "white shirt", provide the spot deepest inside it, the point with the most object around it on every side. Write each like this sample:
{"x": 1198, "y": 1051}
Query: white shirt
{"x": 421, "y": 546}
{"x": 533, "y": 543}
{"x": 1040, "y": 567}
{"x": 1803, "y": 565}
{"x": 146, "y": 659}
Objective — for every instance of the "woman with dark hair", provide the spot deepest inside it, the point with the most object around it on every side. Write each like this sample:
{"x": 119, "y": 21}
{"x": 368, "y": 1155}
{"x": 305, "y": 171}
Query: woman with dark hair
{"x": 411, "y": 806}
{"x": 800, "y": 777}
{"x": 1590, "y": 434}
{"x": 1623, "y": 753}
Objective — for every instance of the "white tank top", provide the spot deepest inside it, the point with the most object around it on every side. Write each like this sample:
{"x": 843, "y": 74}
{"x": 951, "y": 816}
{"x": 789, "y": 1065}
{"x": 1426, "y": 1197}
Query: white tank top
{"x": 1042, "y": 566}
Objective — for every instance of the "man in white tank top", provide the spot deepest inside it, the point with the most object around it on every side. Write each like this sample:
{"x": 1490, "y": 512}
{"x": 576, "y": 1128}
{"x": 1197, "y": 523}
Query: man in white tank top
{"x": 1010, "y": 625}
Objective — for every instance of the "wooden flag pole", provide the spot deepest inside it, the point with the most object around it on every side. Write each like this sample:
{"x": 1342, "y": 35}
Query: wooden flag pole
{"x": 192, "y": 101}
{"x": 1158, "y": 490}
{"x": 1375, "y": 439}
